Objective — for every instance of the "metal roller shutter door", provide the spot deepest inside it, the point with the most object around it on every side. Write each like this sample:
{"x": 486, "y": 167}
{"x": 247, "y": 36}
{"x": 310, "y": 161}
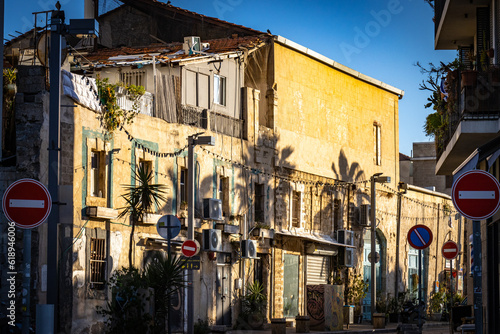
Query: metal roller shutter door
{"x": 317, "y": 269}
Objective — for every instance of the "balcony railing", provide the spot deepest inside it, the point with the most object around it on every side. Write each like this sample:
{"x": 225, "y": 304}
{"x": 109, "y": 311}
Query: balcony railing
{"x": 219, "y": 123}
{"x": 145, "y": 103}
{"x": 226, "y": 125}
{"x": 193, "y": 116}
{"x": 475, "y": 99}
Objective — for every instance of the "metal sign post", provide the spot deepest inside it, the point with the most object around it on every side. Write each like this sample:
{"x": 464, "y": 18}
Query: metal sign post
{"x": 478, "y": 294}
{"x": 476, "y": 195}
{"x": 420, "y": 237}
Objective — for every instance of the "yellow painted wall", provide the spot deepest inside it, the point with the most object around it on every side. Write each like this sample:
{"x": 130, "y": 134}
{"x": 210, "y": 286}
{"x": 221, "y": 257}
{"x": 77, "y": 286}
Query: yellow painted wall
{"x": 322, "y": 111}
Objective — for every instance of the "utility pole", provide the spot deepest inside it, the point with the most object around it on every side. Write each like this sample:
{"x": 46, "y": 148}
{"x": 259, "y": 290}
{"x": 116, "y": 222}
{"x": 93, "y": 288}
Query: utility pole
{"x": 57, "y": 30}
{"x": 376, "y": 178}
{"x": 192, "y": 141}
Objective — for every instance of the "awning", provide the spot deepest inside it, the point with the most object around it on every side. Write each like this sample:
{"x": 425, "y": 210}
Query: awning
{"x": 313, "y": 236}
{"x": 489, "y": 152}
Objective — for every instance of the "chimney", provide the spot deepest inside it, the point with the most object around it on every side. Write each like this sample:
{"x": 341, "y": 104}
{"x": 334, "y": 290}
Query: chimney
{"x": 90, "y": 9}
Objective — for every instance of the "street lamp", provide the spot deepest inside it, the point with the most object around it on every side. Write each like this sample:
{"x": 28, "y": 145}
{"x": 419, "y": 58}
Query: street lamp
{"x": 58, "y": 29}
{"x": 376, "y": 178}
{"x": 193, "y": 140}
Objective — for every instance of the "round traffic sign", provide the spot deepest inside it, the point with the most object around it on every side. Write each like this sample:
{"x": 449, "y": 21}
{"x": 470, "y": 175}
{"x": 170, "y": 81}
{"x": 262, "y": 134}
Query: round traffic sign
{"x": 476, "y": 194}
{"x": 27, "y": 203}
{"x": 449, "y": 250}
{"x": 377, "y": 257}
{"x": 419, "y": 236}
{"x": 190, "y": 248}
{"x": 166, "y": 224}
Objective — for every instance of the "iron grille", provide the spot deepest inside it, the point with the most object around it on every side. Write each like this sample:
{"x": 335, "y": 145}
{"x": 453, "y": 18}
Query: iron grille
{"x": 97, "y": 263}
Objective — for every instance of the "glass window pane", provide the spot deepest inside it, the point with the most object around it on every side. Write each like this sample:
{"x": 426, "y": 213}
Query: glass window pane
{"x": 291, "y": 285}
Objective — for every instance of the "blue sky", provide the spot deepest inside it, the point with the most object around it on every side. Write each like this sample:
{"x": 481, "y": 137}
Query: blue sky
{"x": 382, "y": 39}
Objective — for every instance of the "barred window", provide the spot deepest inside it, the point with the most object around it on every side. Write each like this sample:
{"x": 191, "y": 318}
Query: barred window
{"x": 260, "y": 197}
{"x": 97, "y": 263}
{"x": 296, "y": 209}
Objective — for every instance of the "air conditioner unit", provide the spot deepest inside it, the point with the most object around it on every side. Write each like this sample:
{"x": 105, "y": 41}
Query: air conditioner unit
{"x": 345, "y": 237}
{"x": 192, "y": 44}
{"x": 150, "y": 218}
{"x": 248, "y": 249}
{"x": 365, "y": 215}
{"x": 212, "y": 240}
{"x": 346, "y": 257}
{"x": 212, "y": 209}
{"x": 100, "y": 212}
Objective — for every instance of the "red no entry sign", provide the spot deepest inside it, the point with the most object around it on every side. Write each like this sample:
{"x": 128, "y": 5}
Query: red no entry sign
{"x": 476, "y": 194}
{"x": 190, "y": 248}
{"x": 449, "y": 250}
{"x": 419, "y": 236}
{"x": 27, "y": 203}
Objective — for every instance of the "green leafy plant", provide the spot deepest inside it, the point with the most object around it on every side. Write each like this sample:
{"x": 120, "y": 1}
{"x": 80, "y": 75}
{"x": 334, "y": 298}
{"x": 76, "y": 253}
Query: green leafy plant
{"x": 437, "y": 301}
{"x": 253, "y": 305}
{"x": 436, "y": 123}
{"x": 9, "y": 75}
{"x": 395, "y": 305}
{"x": 113, "y": 116}
{"x": 337, "y": 280}
{"x": 202, "y": 327}
{"x": 142, "y": 198}
{"x": 165, "y": 274}
{"x": 125, "y": 312}
{"x": 355, "y": 289}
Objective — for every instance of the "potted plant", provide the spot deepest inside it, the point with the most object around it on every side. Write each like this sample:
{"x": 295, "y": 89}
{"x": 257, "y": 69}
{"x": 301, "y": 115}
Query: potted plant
{"x": 395, "y": 306}
{"x": 253, "y": 306}
{"x": 436, "y": 304}
{"x": 9, "y": 76}
{"x": 355, "y": 290}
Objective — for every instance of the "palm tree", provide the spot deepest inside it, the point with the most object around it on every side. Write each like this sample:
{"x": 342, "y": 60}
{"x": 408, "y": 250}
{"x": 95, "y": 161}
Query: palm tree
{"x": 142, "y": 198}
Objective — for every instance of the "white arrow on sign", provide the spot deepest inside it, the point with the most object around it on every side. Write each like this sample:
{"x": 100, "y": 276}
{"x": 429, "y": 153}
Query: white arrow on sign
{"x": 476, "y": 194}
{"x": 26, "y": 203}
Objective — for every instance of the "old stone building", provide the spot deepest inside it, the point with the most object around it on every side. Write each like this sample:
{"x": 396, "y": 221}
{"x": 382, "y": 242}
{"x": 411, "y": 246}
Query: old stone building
{"x": 294, "y": 154}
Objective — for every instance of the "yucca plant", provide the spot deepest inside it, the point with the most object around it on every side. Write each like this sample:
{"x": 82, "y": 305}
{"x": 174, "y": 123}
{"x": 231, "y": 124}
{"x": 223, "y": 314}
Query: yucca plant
{"x": 253, "y": 306}
{"x": 165, "y": 274}
{"x": 142, "y": 198}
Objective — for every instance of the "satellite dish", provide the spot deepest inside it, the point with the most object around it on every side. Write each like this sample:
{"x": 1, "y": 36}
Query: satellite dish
{"x": 43, "y": 49}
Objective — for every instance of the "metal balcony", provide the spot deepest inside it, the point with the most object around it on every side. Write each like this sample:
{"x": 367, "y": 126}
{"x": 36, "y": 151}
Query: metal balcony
{"x": 473, "y": 121}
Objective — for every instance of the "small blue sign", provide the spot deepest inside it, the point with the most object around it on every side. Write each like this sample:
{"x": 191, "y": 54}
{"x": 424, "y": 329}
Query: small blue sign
{"x": 420, "y": 236}
{"x": 168, "y": 226}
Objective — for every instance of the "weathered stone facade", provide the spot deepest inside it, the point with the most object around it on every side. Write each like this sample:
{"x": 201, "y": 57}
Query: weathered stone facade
{"x": 313, "y": 133}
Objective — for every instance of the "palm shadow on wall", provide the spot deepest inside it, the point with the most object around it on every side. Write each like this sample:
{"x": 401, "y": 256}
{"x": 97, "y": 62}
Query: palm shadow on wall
{"x": 345, "y": 172}
{"x": 244, "y": 179}
{"x": 348, "y": 174}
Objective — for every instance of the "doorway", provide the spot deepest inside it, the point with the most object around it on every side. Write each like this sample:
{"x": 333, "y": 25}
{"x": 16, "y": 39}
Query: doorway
{"x": 291, "y": 285}
{"x": 367, "y": 273}
{"x": 222, "y": 295}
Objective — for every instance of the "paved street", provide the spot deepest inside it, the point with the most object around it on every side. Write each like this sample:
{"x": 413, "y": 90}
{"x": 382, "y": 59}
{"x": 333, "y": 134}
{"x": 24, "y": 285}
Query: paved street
{"x": 429, "y": 327}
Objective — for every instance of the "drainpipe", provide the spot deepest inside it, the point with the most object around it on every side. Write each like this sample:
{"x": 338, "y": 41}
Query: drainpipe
{"x": 398, "y": 234}
{"x": 244, "y": 233}
{"x": 437, "y": 243}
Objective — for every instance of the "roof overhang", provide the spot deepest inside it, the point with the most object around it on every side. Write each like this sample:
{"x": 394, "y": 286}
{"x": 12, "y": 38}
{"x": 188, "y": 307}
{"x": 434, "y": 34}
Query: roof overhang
{"x": 315, "y": 237}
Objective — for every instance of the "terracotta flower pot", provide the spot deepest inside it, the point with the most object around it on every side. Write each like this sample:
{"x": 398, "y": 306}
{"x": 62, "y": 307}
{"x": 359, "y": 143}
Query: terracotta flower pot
{"x": 469, "y": 78}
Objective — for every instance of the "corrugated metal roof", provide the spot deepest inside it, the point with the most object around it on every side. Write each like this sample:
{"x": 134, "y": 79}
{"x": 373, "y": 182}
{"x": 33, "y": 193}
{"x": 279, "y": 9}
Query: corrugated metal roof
{"x": 125, "y": 56}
